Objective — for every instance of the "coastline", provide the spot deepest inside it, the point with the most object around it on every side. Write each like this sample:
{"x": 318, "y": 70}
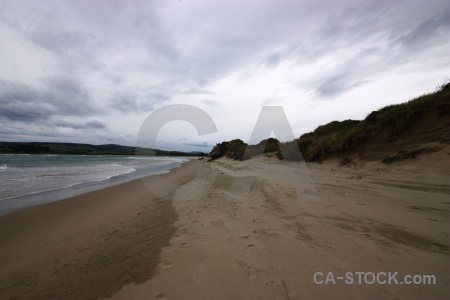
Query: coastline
{"x": 47, "y": 196}
{"x": 90, "y": 245}
{"x": 235, "y": 230}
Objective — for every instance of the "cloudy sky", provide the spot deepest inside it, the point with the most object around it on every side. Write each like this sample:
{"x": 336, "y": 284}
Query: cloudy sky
{"x": 93, "y": 71}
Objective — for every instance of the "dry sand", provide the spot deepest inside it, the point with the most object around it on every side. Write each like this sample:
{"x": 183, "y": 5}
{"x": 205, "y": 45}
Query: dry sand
{"x": 258, "y": 229}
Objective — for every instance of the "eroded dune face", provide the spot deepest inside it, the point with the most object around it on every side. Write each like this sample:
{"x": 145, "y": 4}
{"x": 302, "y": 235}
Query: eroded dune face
{"x": 246, "y": 230}
{"x": 249, "y": 229}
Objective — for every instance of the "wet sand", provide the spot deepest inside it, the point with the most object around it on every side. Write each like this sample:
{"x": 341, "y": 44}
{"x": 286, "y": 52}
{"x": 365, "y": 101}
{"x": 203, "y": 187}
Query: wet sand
{"x": 258, "y": 229}
{"x": 88, "y": 246}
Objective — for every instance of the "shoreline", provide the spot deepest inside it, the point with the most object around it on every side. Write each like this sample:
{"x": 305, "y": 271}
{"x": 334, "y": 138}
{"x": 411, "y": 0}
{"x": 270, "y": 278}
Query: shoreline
{"x": 9, "y": 205}
{"x": 88, "y": 246}
{"x": 237, "y": 229}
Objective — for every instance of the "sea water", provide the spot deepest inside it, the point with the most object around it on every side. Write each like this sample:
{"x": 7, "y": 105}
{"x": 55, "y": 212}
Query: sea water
{"x": 30, "y": 179}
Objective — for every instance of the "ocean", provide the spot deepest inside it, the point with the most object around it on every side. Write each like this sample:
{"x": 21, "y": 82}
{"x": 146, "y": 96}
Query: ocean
{"x": 31, "y": 179}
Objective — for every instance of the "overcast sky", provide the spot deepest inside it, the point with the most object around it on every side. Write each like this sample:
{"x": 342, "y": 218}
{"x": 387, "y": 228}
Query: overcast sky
{"x": 93, "y": 71}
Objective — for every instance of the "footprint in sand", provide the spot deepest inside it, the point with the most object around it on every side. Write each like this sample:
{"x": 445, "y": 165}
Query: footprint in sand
{"x": 197, "y": 279}
{"x": 184, "y": 245}
{"x": 251, "y": 273}
{"x": 166, "y": 266}
{"x": 218, "y": 223}
{"x": 161, "y": 297}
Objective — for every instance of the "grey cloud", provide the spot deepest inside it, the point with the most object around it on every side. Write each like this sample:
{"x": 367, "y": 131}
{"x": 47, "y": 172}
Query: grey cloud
{"x": 124, "y": 103}
{"x": 17, "y": 103}
{"x": 197, "y": 91}
{"x": 63, "y": 43}
{"x": 268, "y": 101}
{"x": 20, "y": 114}
{"x": 95, "y": 125}
{"x": 115, "y": 140}
{"x": 273, "y": 59}
{"x": 73, "y": 50}
{"x": 158, "y": 97}
{"x": 200, "y": 144}
{"x": 300, "y": 31}
{"x": 377, "y": 28}
{"x": 138, "y": 101}
{"x": 109, "y": 56}
{"x": 30, "y": 131}
{"x": 337, "y": 85}
{"x": 53, "y": 129}
{"x": 210, "y": 102}
{"x": 163, "y": 143}
{"x": 56, "y": 96}
{"x": 426, "y": 31}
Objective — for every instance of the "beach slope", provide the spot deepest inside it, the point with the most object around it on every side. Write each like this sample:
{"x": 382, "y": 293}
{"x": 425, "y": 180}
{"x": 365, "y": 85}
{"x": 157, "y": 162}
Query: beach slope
{"x": 256, "y": 229}
{"x": 88, "y": 246}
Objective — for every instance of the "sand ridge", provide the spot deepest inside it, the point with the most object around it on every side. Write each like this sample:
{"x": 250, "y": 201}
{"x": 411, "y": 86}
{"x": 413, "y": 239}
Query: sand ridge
{"x": 257, "y": 229}
{"x": 262, "y": 241}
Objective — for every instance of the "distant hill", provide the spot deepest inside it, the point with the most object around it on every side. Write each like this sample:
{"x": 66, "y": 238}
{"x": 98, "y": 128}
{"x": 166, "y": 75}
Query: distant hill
{"x": 392, "y": 132}
{"x": 85, "y": 149}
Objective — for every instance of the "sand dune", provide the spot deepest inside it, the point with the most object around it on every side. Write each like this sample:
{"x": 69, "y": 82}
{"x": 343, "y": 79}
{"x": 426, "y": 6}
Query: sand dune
{"x": 257, "y": 229}
{"x": 264, "y": 241}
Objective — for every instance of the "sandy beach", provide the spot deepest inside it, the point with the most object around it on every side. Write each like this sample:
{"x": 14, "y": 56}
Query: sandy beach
{"x": 256, "y": 229}
{"x": 216, "y": 150}
{"x": 88, "y": 246}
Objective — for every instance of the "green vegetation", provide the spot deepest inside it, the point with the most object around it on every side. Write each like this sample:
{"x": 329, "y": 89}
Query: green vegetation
{"x": 233, "y": 149}
{"x": 342, "y": 137}
{"x": 236, "y": 149}
{"x": 85, "y": 149}
{"x": 384, "y": 124}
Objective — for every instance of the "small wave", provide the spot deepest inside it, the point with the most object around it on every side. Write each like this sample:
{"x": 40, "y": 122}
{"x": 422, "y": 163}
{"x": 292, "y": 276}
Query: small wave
{"x": 67, "y": 185}
{"x": 130, "y": 170}
{"x": 54, "y": 175}
{"x": 3, "y": 167}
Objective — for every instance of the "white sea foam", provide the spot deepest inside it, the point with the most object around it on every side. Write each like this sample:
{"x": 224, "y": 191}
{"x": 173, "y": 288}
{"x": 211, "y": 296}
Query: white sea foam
{"x": 27, "y": 175}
